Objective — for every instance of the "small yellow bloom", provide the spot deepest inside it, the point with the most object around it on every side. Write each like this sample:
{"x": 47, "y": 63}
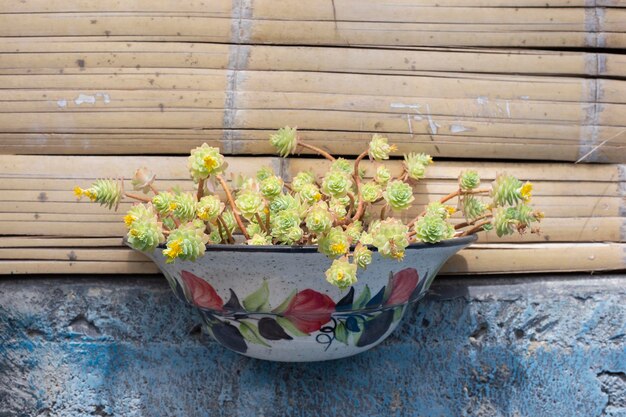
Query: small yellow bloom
{"x": 173, "y": 206}
{"x": 134, "y": 232}
{"x": 526, "y": 191}
{"x": 129, "y": 219}
{"x": 340, "y": 276}
{"x": 317, "y": 197}
{"x": 173, "y": 250}
{"x": 398, "y": 255}
{"x": 90, "y": 194}
{"x": 78, "y": 192}
{"x": 393, "y": 148}
{"x": 203, "y": 215}
{"x": 338, "y": 248}
{"x": 451, "y": 210}
{"x": 210, "y": 163}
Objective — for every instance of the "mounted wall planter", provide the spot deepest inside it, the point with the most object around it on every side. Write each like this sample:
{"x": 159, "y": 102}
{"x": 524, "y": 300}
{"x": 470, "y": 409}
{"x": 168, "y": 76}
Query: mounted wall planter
{"x": 270, "y": 302}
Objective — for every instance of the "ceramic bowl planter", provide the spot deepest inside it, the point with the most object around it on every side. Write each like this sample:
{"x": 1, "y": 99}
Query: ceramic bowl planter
{"x": 308, "y": 267}
{"x": 271, "y": 302}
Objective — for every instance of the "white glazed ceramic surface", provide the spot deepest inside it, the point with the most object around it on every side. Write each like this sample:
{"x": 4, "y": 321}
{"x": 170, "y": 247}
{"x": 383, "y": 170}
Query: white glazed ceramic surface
{"x": 273, "y": 302}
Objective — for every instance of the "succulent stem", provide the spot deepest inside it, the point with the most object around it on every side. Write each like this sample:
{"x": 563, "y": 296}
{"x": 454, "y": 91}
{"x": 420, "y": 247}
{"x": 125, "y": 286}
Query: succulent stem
{"x": 357, "y": 181}
{"x": 200, "y": 192}
{"x": 316, "y": 149}
{"x": 231, "y": 202}
{"x": 138, "y": 197}
{"x": 477, "y": 228}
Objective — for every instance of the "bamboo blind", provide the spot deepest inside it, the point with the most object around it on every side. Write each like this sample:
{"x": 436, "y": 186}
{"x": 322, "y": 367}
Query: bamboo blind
{"x": 86, "y": 85}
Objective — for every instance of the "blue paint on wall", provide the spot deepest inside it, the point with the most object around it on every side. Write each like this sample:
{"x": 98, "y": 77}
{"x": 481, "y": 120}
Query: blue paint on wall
{"x": 126, "y": 347}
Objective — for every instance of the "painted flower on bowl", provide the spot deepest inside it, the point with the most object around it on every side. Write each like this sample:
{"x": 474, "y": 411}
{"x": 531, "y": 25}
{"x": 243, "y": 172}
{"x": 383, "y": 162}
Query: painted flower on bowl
{"x": 309, "y": 310}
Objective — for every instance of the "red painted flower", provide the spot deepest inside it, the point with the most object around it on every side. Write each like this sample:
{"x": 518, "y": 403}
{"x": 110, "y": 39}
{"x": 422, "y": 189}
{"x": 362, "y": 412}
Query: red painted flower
{"x": 402, "y": 284}
{"x": 201, "y": 293}
{"x": 309, "y": 310}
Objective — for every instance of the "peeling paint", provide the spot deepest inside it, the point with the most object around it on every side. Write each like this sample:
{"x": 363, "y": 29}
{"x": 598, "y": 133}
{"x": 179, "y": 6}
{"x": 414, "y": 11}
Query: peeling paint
{"x": 482, "y": 100}
{"x": 432, "y": 125}
{"x": 84, "y": 98}
{"x": 405, "y": 106}
{"x": 455, "y": 128}
{"x": 91, "y": 99}
{"x": 62, "y": 103}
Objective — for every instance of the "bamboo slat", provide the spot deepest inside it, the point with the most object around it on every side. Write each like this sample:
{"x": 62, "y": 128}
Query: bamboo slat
{"x": 478, "y": 259}
{"x": 329, "y": 22}
{"x": 121, "y": 112}
{"x": 582, "y": 203}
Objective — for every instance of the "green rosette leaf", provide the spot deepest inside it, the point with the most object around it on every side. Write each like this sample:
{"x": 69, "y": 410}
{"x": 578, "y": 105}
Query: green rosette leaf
{"x": 379, "y": 148}
{"x": 399, "y": 195}
{"x": 204, "y": 161}
{"x": 184, "y": 207}
{"x": 341, "y": 273}
{"x": 336, "y": 184}
{"x": 186, "y": 243}
{"x": 390, "y": 237}
{"x": 334, "y": 243}
{"x": 415, "y": 164}
{"x": 469, "y": 180}
{"x": 285, "y": 140}
{"x": 432, "y": 228}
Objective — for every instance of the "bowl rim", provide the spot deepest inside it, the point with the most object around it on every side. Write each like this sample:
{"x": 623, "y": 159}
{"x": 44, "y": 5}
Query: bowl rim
{"x": 454, "y": 242}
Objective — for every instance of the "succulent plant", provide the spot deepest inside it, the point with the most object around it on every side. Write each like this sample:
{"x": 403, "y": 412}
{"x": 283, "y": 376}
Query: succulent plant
{"x": 415, "y": 165}
{"x": 186, "y": 242}
{"x": 468, "y": 180}
{"x": 209, "y": 207}
{"x": 339, "y": 213}
{"x": 106, "y": 192}
{"x": 285, "y": 140}
{"x": 205, "y": 161}
{"x": 341, "y": 273}
{"x": 399, "y": 195}
{"x": 379, "y": 148}
{"x": 432, "y": 228}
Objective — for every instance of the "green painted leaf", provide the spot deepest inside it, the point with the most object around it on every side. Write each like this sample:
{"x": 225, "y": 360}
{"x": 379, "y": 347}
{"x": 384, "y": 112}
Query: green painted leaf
{"x": 283, "y": 306}
{"x": 341, "y": 334}
{"x": 397, "y": 313}
{"x": 289, "y": 327}
{"x": 363, "y": 298}
{"x": 388, "y": 288}
{"x": 250, "y": 332}
{"x": 258, "y": 300}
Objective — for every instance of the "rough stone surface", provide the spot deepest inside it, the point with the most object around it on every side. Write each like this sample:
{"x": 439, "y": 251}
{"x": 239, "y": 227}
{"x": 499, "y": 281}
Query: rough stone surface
{"x": 119, "y": 346}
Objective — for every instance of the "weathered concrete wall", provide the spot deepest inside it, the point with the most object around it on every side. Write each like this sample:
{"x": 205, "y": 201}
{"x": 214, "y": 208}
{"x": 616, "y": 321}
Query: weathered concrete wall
{"x": 125, "y": 347}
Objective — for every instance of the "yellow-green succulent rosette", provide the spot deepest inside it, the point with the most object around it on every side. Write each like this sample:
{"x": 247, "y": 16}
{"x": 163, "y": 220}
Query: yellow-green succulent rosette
{"x": 433, "y": 228}
{"x": 390, "y": 237}
{"x": 106, "y": 192}
{"x": 183, "y": 207}
{"x": 209, "y": 207}
{"x": 415, "y": 164}
{"x": 336, "y": 184}
{"x": 204, "y": 161}
{"x": 334, "y": 243}
{"x": 398, "y": 195}
{"x": 469, "y": 180}
{"x": 285, "y": 140}
{"x": 186, "y": 243}
{"x": 342, "y": 273}
{"x": 379, "y": 148}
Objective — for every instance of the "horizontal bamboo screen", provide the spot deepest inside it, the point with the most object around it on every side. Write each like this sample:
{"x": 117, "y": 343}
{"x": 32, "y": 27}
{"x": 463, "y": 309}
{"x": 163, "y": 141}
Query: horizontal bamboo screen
{"x": 85, "y": 85}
